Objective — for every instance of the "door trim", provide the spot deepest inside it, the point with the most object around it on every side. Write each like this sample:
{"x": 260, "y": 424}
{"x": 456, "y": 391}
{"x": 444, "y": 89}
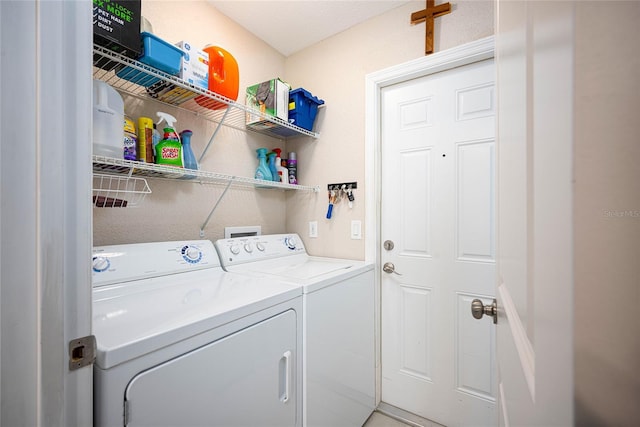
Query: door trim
{"x": 465, "y": 54}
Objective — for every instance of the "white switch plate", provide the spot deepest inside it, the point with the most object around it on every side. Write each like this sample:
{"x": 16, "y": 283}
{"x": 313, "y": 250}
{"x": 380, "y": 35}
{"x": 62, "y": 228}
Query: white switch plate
{"x": 356, "y": 229}
{"x": 313, "y": 228}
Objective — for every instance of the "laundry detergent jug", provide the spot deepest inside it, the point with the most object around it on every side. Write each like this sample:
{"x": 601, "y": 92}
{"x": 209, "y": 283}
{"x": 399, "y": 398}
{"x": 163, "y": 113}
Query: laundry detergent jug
{"x": 108, "y": 117}
{"x": 224, "y": 77}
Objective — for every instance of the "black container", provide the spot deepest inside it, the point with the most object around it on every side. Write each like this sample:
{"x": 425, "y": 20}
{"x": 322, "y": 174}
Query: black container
{"x": 116, "y": 26}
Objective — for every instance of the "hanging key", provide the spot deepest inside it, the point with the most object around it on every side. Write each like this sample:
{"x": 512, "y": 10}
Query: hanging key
{"x": 332, "y": 199}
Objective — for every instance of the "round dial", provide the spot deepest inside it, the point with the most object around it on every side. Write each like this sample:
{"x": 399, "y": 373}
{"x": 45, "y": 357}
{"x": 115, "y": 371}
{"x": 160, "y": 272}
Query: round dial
{"x": 248, "y": 248}
{"x": 260, "y": 246}
{"x": 191, "y": 254}
{"x": 100, "y": 264}
{"x": 235, "y": 249}
{"x": 290, "y": 242}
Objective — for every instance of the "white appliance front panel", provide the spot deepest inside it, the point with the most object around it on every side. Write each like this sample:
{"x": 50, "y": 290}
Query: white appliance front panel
{"x": 246, "y": 379}
{"x": 339, "y": 351}
{"x": 138, "y": 317}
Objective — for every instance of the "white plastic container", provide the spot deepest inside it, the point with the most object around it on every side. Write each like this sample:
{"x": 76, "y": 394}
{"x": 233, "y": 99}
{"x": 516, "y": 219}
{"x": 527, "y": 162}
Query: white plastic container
{"x": 108, "y": 121}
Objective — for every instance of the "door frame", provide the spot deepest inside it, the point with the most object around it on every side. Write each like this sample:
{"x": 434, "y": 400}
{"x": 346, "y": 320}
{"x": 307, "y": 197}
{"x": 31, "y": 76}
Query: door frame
{"x": 465, "y": 54}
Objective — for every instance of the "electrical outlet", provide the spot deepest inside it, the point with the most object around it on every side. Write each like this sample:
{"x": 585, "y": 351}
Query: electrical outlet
{"x": 356, "y": 229}
{"x": 313, "y": 228}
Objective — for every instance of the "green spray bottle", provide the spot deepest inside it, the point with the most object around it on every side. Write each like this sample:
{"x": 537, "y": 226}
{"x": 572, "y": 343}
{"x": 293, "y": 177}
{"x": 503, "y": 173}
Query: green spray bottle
{"x": 169, "y": 149}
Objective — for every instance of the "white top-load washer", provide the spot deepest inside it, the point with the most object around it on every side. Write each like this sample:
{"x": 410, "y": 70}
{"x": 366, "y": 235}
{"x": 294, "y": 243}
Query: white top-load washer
{"x": 180, "y": 342}
{"x": 338, "y": 338}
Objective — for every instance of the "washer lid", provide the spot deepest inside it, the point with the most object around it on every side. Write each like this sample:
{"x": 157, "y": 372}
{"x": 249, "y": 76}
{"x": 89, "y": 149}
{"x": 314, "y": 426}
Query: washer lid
{"x": 311, "y": 272}
{"x": 136, "y": 318}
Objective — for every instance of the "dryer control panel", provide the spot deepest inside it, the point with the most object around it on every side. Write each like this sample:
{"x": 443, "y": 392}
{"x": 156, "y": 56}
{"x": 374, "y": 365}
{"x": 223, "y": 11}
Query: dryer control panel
{"x": 123, "y": 263}
{"x": 239, "y": 250}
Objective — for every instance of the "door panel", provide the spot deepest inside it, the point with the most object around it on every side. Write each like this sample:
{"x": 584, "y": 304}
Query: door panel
{"x": 247, "y": 378}
{"x": 415, "y": 168}
{"x": 535, "y": 190}
{"x": 475, "y": 203}
{"x": 438, "y": 139}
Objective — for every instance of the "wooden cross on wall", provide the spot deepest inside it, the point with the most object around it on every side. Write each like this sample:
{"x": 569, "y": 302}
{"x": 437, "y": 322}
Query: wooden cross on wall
{"x": 428, "y": 15}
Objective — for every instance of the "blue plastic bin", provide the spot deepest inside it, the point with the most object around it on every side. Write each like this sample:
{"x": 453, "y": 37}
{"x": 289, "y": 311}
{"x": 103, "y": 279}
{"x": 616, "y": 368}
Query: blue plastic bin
{"x": 305, "y": 108}
{"x": 156, "y": 53}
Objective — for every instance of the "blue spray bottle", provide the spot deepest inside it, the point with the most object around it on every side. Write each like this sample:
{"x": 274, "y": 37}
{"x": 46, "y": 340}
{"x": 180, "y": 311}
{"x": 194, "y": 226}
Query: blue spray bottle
{"x": 263, "y": 172}
{"x": 189, "y": 158}
{"x": 272, "y": 166}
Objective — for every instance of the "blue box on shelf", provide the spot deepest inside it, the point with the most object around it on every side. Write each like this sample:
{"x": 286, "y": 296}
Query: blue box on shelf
{"x": 157, "y": 54}
{"x": 303, "y": 108}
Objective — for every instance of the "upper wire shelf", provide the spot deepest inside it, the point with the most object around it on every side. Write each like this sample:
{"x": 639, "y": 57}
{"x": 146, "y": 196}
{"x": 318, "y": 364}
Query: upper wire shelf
{"x": 142, "y": 81}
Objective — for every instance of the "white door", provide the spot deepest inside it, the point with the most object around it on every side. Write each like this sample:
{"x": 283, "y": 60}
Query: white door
{"x": 437, "y": 174}
{"x": 45, "y": 222}
{"x": 535, "y": 124}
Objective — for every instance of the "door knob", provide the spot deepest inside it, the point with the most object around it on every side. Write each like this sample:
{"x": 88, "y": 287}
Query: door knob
{"x": 388, "y": 267}
{"x": 478, "y": 309}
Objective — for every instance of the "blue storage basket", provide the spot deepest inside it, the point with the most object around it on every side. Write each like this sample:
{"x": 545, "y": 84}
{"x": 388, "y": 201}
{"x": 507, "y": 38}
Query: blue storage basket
{"x": 156, "y": 53}
{"x": 305, "y": 107}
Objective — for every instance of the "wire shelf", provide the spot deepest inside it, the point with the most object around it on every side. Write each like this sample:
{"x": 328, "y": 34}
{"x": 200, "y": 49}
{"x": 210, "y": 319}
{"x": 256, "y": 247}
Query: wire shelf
{"x": 112, "y": 191}
{"x": 140, "y": 169}
{"x": 142, "y": 81}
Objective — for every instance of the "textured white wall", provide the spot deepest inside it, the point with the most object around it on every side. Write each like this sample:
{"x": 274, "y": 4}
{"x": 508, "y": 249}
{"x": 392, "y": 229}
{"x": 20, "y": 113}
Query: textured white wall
{"x": 176, "y": 210}
{"x": 607, "y": 214}
{"x": 335, "y": 70}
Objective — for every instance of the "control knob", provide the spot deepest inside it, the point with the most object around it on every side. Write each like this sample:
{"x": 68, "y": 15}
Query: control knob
{"x": 290, "y": 242}
{"x": 100, "y": 264}
{"x": 260, "y": 246}
{"x": 235, "y": 249}
{"x": 248, "y": 248}
{"x": 192, "y": 253}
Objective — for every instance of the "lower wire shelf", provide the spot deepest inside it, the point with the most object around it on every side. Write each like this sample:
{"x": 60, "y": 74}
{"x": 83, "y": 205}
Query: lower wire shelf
{"x": 121, "y": 167}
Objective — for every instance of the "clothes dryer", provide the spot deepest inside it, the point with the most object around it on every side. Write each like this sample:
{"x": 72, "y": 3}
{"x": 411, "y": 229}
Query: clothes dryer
{"x": 180, "y": 342}
{"x": 338, "y": 321}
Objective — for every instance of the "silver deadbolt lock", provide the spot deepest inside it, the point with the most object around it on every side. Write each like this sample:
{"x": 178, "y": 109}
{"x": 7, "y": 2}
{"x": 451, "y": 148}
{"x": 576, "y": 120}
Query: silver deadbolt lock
{"x": 478, "y": 309}
{"x": 388, "y": 245}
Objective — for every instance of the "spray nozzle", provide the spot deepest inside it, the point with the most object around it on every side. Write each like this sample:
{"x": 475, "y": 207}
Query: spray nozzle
{"x": 167, "y": 118}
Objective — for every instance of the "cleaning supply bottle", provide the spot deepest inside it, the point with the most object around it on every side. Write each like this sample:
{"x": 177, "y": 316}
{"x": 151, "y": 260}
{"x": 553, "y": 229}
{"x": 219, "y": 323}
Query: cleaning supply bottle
{"x": 157, "y": 137}
{"x": 272, "y": 167}
{"x": 145, "y": 140}
{"x": 292, "y": 165}
{"x": 190, "y": 161}
{"x": 224, "y": 77}
{"x": 283, "y": 174}
{"x": 130, "y": 139}
{"x": 263, "y": 172}
{"x": 169, "y": 150}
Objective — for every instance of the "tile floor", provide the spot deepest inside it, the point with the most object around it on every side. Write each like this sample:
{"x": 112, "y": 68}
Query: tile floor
{"x": 405, "y": 419}
{"x": 378, "y": 419}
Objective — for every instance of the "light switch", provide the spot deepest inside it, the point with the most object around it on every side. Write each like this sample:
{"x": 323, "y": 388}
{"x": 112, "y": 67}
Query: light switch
{"x": 356, "y": 229}
{"x": 313, "y": 228}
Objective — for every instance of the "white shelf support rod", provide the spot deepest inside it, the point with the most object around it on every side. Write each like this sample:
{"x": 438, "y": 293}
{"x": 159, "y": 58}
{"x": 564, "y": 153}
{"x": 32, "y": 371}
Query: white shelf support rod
{"x": 215, "y": 132}
{"x": 206, "y": 221}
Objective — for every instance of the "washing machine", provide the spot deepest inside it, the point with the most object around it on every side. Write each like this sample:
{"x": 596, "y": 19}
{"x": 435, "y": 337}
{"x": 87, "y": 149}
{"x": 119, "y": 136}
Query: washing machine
{"x": 338, "y": 322}
{"x": 181, "y": 342}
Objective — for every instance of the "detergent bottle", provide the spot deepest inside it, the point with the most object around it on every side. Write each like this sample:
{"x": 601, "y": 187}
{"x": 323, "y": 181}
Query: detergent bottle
{"x": 169, "y": 149}
{"x": 272, "y": 166}
{"x": 283, "y": 172}
{"x": 224, "y": 77}
{"x": 263, "y": 172}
